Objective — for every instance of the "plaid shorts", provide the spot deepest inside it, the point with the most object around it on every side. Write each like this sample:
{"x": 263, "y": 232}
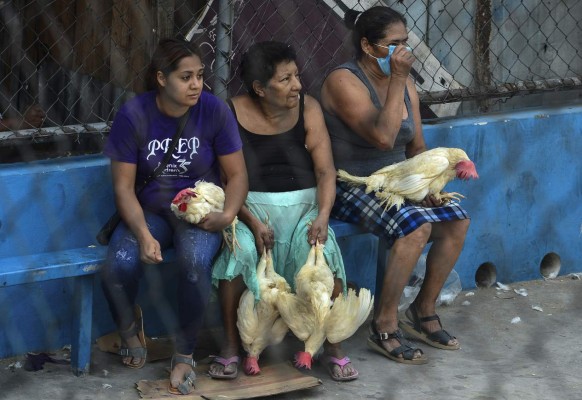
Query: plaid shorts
{"x": 354, "y": 205}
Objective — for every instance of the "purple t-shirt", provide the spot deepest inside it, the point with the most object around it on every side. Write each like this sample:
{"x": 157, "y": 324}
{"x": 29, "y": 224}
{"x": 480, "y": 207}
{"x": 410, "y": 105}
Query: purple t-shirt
{"x": 141, "y": 134}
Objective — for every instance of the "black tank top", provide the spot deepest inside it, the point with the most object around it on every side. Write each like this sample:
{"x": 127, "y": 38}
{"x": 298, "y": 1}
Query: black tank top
{"x": 280, "y": 162}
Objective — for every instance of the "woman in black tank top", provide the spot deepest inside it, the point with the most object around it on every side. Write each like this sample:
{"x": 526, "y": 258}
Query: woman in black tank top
{"x": 287, "y": 151}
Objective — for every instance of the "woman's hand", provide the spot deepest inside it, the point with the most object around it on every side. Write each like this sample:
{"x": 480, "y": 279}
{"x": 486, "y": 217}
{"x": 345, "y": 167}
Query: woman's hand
{"x": 215, "y": 221}
{"x": 318, "y": 230}
{"x": 401, "y": 61}
{"x": 150, "y": 251}
{"x": 264, "y": 237}
{"x": 431, "y": 201}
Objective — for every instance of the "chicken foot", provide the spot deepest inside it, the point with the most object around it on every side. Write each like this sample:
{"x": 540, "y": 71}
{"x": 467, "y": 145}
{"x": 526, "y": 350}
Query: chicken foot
{"x": 446, "y": 197}
{"x": 230, "y": 238}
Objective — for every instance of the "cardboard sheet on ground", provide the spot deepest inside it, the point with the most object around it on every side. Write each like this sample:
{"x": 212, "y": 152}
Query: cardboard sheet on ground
{"x": 273, "y": 379}
{"x": 158, "y": 349}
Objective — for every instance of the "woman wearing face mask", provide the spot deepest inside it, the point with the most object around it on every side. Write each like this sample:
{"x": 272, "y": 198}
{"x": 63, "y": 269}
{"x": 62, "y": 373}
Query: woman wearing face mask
{"x": 372, "y": 112}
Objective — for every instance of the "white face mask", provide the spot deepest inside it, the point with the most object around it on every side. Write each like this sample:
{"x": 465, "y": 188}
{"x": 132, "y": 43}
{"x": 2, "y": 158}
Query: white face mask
{"x": 384, "y": 63}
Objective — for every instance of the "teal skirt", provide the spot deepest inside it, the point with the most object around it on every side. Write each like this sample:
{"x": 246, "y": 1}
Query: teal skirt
{"x": 289, "y": 214}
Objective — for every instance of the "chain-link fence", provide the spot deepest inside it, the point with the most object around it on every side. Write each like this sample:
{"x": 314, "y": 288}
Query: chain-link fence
{"x": 81, "y": 59}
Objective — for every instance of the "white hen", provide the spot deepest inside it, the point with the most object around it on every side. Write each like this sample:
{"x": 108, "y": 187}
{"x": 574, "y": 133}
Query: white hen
{"x": 347, "y": 314}
{"x": 310, "y": 314}
{"x": 413, "y": 179}
{"x": 259, "y": 323}
{"x": 193, "y": 204}
{"x": 305, "y": 312}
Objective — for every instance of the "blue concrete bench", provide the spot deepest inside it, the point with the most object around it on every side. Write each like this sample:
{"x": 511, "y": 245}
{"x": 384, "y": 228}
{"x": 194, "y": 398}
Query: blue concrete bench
{"x": 49, "y": 214}
{"x": 365, "y": 251}
{"x": 80, "y": 264}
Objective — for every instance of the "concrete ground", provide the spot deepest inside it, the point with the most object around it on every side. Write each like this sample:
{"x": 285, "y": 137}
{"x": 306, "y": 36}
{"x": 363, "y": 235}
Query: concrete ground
{"x": 537, "y": 357}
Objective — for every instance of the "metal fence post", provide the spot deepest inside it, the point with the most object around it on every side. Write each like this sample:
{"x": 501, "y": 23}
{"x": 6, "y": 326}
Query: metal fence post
{"x": 483, "y": 21}
{"x": 223, "y": 46}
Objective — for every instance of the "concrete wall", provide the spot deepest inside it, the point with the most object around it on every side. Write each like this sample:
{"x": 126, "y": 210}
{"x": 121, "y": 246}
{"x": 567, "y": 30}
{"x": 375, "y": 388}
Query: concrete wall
{"x": 528, "y": 200}
{"x": 527, "y": 204}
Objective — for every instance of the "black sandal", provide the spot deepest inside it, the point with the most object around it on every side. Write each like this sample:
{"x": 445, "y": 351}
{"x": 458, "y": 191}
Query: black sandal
{"x": 438, "y": 339}
{"x": 375, "y": 343}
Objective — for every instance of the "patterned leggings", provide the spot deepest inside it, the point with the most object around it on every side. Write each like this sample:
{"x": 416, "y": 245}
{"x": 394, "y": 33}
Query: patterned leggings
{"x": 195, "y": 251}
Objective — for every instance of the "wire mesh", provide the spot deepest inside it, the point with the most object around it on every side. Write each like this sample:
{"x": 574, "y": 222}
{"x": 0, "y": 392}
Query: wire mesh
{"x": 81, "y": 59}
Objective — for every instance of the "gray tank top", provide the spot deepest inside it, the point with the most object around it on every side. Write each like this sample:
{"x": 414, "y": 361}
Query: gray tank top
{"x": 353, "y": 153}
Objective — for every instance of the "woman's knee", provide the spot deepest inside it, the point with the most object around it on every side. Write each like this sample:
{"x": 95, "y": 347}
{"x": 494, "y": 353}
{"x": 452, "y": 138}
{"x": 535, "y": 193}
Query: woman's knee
{"x": 421, "y": 235}
{"x": 122, "y": 265}
{"x": 195, "y": 270}
{"x": 459, "y": 229}
{"x": 451, "y": 230}
{"x": 196, "y": 251}
{"x": 414, "y": 240}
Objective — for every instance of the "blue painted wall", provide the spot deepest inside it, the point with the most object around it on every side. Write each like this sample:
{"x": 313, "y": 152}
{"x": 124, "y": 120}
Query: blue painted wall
{"x": 528, "y": 200}
{"x": 527, "y": 203}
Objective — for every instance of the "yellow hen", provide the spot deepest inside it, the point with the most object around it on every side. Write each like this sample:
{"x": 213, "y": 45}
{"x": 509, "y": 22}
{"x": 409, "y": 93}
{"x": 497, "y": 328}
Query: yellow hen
{"x": 259, "y": 323}
{"x": 415, "y": 178}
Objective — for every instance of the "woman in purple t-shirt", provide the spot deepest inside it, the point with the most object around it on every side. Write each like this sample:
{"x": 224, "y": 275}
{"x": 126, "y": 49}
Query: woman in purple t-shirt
{"x": 210, "y": 144}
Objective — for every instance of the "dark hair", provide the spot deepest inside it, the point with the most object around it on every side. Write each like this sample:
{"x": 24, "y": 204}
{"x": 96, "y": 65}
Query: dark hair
{"x": 166, "y": 58}
{"x": 370, "y": 24}
{"x": 261, "y": 60}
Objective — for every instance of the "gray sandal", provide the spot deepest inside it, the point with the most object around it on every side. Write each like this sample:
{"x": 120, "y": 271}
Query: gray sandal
{"x": 136, "y": 329}
{"x": 187, "y": 386}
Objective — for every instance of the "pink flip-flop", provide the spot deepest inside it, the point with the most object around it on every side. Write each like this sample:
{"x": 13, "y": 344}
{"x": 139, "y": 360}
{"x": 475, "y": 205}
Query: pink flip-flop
{"x": 225, "y": 362}
{"x": 329, "y": 362}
